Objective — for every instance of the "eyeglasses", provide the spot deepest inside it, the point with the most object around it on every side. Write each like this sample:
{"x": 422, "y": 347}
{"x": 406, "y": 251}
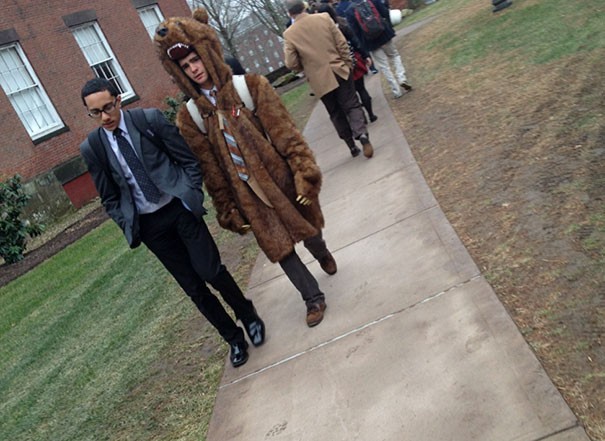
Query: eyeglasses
{"x": 96, "y": 113}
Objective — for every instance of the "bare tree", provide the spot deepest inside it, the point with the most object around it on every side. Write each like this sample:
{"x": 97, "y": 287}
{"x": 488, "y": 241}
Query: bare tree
{"x": 226, "y": 17}
{"x": 272, "y": 14}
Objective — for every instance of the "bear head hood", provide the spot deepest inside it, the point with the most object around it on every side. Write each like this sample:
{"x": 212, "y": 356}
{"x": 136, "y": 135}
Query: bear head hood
{"x": 186, "y": 34}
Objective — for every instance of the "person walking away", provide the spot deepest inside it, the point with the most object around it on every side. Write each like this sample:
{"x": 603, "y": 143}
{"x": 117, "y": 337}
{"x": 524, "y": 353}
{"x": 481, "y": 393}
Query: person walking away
{"x": 371, "y": 23}
{"x": 361, "y": 59}
{"x": 315, "y": 45}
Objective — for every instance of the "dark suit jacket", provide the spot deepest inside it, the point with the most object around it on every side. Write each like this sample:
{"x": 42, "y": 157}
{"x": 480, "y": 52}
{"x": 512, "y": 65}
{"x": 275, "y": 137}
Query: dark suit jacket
{"x": 178, "y": 174}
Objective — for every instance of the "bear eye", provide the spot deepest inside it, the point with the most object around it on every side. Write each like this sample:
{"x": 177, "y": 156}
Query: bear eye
{"x": 162, "y": 32}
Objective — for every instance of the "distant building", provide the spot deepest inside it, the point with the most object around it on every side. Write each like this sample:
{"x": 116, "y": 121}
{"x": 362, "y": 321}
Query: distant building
{"x": 259, "y": 50}
{"x": 48, "y": 50}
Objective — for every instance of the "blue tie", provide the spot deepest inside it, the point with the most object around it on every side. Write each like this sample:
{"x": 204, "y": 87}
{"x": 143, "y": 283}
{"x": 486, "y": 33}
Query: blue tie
{"x": 150, "y": 191}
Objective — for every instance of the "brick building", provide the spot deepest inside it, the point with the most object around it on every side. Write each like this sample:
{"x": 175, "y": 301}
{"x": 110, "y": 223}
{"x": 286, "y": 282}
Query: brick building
{"x": 47, "y": 51}
{"x": 259, "y": 51}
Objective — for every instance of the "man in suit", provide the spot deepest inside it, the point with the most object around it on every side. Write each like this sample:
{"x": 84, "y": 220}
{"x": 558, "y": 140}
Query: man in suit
{"x": 314, "y": 43}
{"x": 155, "y": 196}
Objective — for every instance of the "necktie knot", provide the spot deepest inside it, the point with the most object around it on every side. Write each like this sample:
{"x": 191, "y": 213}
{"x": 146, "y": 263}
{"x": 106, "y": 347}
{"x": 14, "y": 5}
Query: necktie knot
{"x": 117, "y": 132}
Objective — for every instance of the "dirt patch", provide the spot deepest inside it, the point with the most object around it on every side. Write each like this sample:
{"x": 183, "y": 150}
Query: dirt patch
{"x": 52, "y": 243}
{"x": 519, "y": 172}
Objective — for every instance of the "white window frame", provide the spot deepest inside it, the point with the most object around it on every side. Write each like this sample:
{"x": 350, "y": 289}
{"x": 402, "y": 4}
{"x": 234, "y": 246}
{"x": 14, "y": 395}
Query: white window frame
{"x": 155, "y": 9}
{"x": 42, "y": 118}
{"x": 107, "y": 65}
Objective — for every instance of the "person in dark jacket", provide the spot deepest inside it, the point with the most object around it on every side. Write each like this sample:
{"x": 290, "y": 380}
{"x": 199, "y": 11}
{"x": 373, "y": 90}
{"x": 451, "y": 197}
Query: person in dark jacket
{"x": 235, "y": 65}
{"x": 382, "y": 48}
{"x": 153, "y": 192}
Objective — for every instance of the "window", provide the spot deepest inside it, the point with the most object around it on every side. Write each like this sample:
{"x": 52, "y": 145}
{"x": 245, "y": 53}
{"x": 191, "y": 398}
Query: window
{"x": 100, "y": 58}
{"x": 26, "y": 94}
{"x": 151, "y": 16}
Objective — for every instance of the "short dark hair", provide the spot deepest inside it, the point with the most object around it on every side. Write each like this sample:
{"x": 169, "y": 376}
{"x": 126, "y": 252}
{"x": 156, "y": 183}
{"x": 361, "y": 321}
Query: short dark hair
{"x": 98, "y": 85}
{"x": 235, "y": 65}
{"x": 294, "y": 6}
{"x": 326, "y": 7}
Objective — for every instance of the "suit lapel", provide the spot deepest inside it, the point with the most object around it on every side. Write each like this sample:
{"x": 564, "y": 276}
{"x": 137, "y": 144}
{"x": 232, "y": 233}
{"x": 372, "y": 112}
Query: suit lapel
{"x": 108, "y": 153}
{"x": 135, "y": 135}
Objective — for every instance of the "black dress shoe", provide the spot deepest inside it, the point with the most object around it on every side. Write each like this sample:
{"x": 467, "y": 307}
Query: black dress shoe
{"x": 256, "y": 331}
{"x": 239, "y": 353}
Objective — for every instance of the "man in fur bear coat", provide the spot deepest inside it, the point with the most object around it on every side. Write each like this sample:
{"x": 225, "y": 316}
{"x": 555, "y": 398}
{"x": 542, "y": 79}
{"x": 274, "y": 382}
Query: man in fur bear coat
{"x": 258, "y": 168}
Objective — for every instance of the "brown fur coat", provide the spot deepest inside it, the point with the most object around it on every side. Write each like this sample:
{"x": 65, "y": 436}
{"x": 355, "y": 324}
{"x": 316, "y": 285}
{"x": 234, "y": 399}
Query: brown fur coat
{"x": 273, "y": 148}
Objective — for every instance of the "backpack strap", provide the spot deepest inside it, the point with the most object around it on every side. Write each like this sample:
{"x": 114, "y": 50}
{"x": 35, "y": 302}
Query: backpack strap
{"x": 241, "y": 87}
{"x": 98, "y": 149}
{"x": 141, "y": 122}
{"x": 239, "y": 82}
{"x": 196, "y": 116}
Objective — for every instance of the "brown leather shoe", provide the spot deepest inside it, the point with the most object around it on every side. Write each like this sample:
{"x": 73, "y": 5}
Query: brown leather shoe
{"x": 368, "y": 150}
{"x": 328, "y": 264}
{"x": 315, "y": 314}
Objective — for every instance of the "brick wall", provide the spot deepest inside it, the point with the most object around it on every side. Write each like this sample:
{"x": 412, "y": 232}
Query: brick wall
{"x": 62, "y": 69}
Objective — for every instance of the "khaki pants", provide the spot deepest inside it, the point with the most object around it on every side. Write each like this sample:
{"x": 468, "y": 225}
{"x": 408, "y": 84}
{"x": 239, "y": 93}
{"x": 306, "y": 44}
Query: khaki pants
{"x": 381, "y": 57}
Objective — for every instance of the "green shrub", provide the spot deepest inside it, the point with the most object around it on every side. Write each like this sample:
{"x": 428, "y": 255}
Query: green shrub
{"x": 173, "y": 103}
{"x": 13, "y": 230}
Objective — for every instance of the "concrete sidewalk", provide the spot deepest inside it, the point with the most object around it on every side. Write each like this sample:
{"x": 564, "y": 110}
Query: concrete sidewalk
{"x": 414, "y": 345}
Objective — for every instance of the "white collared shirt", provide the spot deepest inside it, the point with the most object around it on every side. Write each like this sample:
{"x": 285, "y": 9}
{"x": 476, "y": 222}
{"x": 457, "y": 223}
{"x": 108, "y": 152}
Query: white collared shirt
{"x": 143, "y": 205}
{"x": 207, "y": 93}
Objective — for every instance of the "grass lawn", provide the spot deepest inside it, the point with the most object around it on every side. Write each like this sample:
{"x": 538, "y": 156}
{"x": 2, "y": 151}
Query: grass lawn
{"x": 81, "y": 333}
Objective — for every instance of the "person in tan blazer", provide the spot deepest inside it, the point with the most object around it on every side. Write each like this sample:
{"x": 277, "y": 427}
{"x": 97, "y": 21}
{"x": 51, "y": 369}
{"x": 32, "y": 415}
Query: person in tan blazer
{"x": 315, "y": 45}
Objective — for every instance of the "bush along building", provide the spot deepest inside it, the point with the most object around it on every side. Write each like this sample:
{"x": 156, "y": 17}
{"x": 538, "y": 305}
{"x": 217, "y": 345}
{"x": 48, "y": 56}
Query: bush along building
{"x": 48, "y": 50}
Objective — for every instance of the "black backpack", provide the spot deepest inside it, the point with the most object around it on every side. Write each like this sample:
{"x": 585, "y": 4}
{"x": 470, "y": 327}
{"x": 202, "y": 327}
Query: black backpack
{"x": 369, "y": 19}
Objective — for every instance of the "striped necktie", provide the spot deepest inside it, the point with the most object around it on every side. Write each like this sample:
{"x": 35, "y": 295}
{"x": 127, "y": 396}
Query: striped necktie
{"x": 149, "y": 189}
{"x": 234, "y": 151}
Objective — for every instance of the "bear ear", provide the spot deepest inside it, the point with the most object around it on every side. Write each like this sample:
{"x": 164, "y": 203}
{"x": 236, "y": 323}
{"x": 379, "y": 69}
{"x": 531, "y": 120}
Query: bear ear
{"x": 201, "y": 15}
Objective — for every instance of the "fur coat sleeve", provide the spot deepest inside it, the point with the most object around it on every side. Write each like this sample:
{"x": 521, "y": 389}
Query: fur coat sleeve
{"x": 285, "y": 136}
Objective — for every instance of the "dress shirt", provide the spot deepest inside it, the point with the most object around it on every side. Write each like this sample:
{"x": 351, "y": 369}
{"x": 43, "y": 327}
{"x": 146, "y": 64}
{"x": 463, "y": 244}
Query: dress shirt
{"x": 208, "y": 94}
{"x": 142, "y": 204}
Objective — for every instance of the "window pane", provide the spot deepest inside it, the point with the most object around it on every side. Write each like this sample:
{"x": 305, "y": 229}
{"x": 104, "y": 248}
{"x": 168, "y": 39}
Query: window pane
{"x": 151, "y": 18}
{"x": 105, "y": 70}
{"x": 100, "y": 58}
{"x": 91, "y": 44}
{"x": 26, "y": 94}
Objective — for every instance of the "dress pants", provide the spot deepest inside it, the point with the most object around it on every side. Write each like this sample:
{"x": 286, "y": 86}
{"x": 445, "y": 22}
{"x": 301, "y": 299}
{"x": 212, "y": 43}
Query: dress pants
{"x": 364, "y": 96}
{"x": 345, "y": 111}
{"x": 299, "y": 274}
{"x": 187, "y": 250}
